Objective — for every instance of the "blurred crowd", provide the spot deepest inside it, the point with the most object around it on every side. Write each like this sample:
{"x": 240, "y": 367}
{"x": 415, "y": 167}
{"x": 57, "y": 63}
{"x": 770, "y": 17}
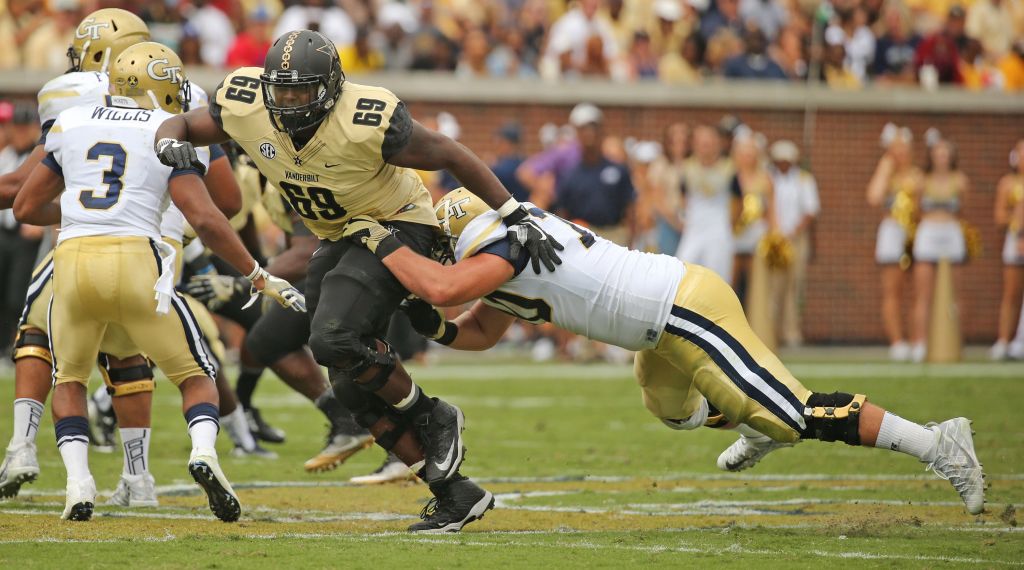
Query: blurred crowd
{"x": 978, "y": 44}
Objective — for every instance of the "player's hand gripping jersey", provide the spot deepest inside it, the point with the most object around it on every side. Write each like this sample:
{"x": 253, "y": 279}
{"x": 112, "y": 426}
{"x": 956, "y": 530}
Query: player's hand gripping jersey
{"x": 602, "y": 291}
{"x": 341, "y": 171}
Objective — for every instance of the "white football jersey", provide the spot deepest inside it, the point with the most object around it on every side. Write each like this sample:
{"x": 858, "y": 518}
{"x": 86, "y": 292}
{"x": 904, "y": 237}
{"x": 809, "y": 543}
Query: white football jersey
{"x": 114, "y": 183}
{"x": 70, "y": 90}
{"x": 173, "y": 224}
{"x": 601, "y": 290}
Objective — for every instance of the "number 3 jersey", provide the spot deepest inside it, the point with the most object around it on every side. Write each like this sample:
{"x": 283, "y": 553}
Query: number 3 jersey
{"x": 601, "y": 290}
{"x": 341, "y": 171}
{"x": 114, "y": 183}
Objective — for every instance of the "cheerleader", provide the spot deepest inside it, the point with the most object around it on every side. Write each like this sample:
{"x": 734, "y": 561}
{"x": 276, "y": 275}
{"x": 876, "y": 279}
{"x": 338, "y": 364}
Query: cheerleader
{"x": 892, "y": 187}
{"x": 1010, "y": 196}
{"x": 754, "y": 184}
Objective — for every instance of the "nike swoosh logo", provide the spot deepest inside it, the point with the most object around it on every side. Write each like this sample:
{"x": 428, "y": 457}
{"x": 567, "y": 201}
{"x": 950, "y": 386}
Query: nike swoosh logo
{"x": 443, "y": 466}
{"x": 330, "y": 165}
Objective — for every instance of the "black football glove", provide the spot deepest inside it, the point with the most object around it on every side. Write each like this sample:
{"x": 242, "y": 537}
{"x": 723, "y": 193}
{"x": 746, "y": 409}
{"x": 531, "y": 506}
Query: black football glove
{"x": 525, "y": 233}
{"x": 429, "y": 321}
{"x": 216, "y": 290}
{"x": 179, "y": 155}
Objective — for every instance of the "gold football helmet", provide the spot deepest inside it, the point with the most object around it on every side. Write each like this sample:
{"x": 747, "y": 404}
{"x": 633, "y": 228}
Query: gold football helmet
{"x": 454, "y": 211}
{"x": 102, "y": 36}
{"x": 151, "y": 74}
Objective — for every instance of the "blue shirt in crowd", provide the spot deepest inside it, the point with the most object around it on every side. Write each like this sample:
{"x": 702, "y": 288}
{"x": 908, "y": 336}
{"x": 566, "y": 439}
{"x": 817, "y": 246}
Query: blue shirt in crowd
{"x": 505, "y": 170}
{"x": 598, "y": 194}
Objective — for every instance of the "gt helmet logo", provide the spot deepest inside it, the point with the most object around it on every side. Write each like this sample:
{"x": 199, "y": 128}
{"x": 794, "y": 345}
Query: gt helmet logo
{"x": 90, "y": 29}
{"x": 169, "y": 72}
{"x": 268, "y": 150}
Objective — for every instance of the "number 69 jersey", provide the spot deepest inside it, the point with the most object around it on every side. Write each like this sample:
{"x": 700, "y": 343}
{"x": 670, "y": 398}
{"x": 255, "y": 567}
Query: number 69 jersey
{"x": 341, "y": 171}
{"x": 114, "y": 184}
{"x": 601, "y": 290}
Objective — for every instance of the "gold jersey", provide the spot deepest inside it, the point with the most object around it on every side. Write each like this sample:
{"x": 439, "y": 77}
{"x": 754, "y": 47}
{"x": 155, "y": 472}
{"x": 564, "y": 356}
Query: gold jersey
{"x": 340, "y": 172}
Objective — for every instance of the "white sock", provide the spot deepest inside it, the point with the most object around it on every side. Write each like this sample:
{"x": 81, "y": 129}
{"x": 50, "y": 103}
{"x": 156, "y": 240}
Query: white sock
{"x": 238, "y": 429}
{"x": 76, "y": 459}
{"x": 102, "y": 399}
{"x": 204, "y": 435}
{"x": 27, "y": 413}
{"x": 905, "y": 436}
{"x": 136, "y": 450}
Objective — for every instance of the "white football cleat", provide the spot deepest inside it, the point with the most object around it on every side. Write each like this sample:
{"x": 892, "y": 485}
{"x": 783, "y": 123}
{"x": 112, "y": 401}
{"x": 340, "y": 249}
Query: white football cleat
{"x": 899, "y": 351}
{"x": 205, "y": 469}
{"x": 392, "y": 470}
{"x": 135, "y": 491}
{"x": 955, "y": 461}
{"x": 80, "y": 499}
{"x": 745, "y": 452}
{"x": 19, "y": 467}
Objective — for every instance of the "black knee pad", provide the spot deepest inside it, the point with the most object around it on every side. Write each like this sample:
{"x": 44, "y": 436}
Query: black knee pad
{"x": 126, "y": 380}
{"x": 833, "y": 417}
{"x": 32, "y": 343}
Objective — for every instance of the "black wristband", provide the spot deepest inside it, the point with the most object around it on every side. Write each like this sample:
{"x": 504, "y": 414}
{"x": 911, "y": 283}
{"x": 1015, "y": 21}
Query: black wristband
{"x": 517, "y": 215}
{"x": 387, "y": 246}
{"x": 451, "y": 330}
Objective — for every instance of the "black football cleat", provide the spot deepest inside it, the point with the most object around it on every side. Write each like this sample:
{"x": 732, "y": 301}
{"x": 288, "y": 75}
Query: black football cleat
{"x": 440, "y": 432}
{"x": 456, "y": 503}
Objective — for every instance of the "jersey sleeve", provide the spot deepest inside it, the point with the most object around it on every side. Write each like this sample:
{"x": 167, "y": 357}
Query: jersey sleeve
{"x": 67, "y": 91}
{"x": 483, "y": 231}
{"x": 397, "y": 136}
{"x": 236, "y": 100}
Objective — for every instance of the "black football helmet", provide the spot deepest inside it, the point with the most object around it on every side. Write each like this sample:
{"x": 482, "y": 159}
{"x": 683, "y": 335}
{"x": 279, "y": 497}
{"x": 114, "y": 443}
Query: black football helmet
{"x": 301, "y": 81}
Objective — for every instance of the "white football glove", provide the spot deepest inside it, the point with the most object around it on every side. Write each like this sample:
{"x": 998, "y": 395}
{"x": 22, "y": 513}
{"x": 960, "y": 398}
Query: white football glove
{"x": 277, "y": 289}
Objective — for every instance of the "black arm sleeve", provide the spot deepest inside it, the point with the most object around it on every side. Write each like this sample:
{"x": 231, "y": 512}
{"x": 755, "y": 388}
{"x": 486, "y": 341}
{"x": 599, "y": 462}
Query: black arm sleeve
{"x": 215, "y": 107}
{"x": 399, "y": 132}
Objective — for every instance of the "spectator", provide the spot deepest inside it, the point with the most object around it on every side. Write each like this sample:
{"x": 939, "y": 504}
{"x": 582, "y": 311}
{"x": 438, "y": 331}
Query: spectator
{"x": 543, "y": 173}
{"x": 396, "y": 23}
{"x": 509, "y": 157}
{"x": 320, "y": 16}
{"x": 510, "y": 57}
{"x": 992, "y": 23}
{"x": 665, "y": 180}
{"x": 571, "y": 42}
{"x": 709, "y": 205}
{"x": 722, "y": 47}
{"x": 796, "y": 207}
{"x": 683, "y": 66}
{"x": 643, "y": 62}
{"x": 753, "y": 183}
{"x": 769, "y": 16}
{"x": 17, "y": 25}
{"x": 47, "y": 47}
{"x": 19, "y": 243}
{"x": 189, "y": 46}
{"x": 755, "y": 63}
{"x": 671, "y": 25}
{"x": 789, "y": 53}
{"x": 360, "y": 56}
{"x": 475, "y": 49}
{"x": 894, "y": 52}
{"x": 835, "y": 66}
{"x": 251, "y": 45}
{"x": 857, "y": 39}
{"x": 940, "y": 51}
{"x": 976, "y": 71}
{"x": 598, "y": 192}
{"x": 724, "y": 16}
{"x": 214, "y": 32}
{"x": 938, "y": 237}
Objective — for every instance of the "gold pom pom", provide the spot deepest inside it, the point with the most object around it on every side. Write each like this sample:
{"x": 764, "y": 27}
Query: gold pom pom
{"x": 776, "y": 250}
{"x": 972, "y": 237}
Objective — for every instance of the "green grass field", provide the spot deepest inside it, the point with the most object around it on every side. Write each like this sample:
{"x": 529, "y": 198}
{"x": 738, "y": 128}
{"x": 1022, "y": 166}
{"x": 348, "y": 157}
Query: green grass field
{"x": 583, "y": 476}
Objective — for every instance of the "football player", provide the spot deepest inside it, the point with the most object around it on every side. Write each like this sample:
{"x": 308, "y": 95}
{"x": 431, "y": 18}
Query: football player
{"x": 697, "y": 362}
{"x": 337, "y": 149}
{"x": 113, "y": 191}
{"x": 99, "y": 39}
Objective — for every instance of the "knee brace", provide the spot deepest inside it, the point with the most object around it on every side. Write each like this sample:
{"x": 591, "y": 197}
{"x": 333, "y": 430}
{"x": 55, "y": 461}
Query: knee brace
{"x": 347, "y": 352}
{"x": 127, "y": 380}
{"x": 833, "y": 417}
{"x": 32, "y": 343}
{"x": 370, "y": 412}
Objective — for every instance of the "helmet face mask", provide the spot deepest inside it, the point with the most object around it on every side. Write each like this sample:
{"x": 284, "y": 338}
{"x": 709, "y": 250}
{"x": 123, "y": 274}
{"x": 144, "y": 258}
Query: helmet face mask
{"x": 101, "y": 36}
{"x": 301, "y": 81}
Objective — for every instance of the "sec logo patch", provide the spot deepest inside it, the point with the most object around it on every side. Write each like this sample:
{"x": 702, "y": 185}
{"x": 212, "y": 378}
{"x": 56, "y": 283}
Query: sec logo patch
{"x": 268, "y": 150}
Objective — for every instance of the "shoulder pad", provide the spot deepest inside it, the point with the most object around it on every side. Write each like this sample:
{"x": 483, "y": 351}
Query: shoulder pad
{"x": 71, "y": 90}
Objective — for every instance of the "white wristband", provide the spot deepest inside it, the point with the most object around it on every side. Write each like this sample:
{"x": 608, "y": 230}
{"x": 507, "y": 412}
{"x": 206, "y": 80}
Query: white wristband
{"x": 511, "y": 205}
{"x": 255, "y": 272}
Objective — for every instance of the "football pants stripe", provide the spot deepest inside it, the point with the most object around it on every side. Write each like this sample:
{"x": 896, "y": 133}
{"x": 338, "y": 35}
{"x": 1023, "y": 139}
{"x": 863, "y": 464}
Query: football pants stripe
{"x": 35, "y": 287}
{"x": 193, "y": 335}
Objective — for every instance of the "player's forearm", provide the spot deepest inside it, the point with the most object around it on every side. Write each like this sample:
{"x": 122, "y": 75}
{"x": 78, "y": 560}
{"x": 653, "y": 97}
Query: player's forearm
{"x": 196, "y": 126}
{"x": 215, "y": 231}
{"x": 43, "y": 215}
{"x": 472, "y": 336}
{"x": 224, "y": 190}
{"x": 478, "y": 178}
{"x": 425, "y": 278}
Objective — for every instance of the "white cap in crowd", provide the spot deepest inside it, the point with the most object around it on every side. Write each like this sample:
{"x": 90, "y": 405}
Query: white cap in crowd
{"x": 784, "y": 151}
{"x": 585, "y": 114}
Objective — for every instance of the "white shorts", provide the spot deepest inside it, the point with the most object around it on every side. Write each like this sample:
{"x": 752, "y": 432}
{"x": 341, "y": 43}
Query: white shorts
{"x": 891, "y": 242}
{"x": 1011, "y": 255}
{"x": 937, "y": 240}
{"x": 746, "y": 242}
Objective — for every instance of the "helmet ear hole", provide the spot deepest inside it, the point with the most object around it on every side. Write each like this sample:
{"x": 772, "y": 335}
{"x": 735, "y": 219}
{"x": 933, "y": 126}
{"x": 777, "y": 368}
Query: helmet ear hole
{"x": 168, "y": 100}
{"x": 96, "y": 57}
